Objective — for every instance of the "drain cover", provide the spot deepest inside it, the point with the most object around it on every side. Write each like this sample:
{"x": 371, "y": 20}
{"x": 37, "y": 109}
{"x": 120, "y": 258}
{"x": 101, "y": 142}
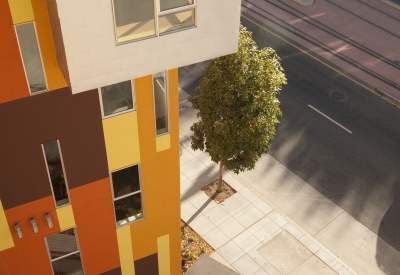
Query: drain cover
{"x": 337, "y": 95}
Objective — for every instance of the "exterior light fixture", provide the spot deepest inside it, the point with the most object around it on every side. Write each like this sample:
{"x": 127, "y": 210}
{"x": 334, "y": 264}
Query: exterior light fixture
{"x": 34, "y": 225}
{"x": 48, "y": 220}
{"x": 18, "y": 230}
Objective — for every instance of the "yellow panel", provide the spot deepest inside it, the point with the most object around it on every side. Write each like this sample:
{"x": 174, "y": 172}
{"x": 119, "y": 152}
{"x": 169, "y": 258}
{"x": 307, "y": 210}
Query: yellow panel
{"x": 163, "y": 255}
{"x": 21, "y": 11}
{"x": 5, "y": 233}
{"x": 65, "y": 217}
{"x": 122, "y": 141}
{"x": 125, "y": 250}
{"x": 163, "y": 143}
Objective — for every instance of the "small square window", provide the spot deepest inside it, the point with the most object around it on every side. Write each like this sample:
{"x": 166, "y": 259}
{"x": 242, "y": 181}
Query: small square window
{"x": 117, "y": 98}
{"x": 127, "y": 195}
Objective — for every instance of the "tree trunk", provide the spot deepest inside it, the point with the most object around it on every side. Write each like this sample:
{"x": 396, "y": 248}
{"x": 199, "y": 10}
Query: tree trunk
{"x": 221, "y": 166}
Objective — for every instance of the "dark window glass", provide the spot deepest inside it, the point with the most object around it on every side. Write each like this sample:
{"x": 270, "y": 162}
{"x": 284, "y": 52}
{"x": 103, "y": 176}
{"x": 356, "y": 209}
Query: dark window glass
{"x": 117, "y": 98}
{"x": 56, "y": 172}
{"x": 128, "y": 209}
{"x": 70, "y": 265}
{"x": 125, "y": 181}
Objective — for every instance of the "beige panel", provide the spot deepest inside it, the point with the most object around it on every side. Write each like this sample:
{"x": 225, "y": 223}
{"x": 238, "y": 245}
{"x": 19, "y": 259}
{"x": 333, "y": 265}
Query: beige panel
{"x": 125, "y": 251}
{"x": 163, "y": 254}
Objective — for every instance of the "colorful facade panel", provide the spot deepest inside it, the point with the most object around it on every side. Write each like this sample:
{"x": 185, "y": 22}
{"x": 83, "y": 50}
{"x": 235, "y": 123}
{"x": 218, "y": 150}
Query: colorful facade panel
{"x": 94, "y": 218}
{"x": 12, "y": 76}
{"x": 74, "y": 120}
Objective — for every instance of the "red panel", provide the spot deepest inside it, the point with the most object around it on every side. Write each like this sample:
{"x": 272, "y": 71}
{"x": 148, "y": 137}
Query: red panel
{"x": 29, "y": 256}
{"x": 95, "y": 222}
{"x": 13, "y": 83}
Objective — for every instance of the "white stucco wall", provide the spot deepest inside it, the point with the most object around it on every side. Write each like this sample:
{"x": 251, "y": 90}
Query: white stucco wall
{"x": 94, "y": 60}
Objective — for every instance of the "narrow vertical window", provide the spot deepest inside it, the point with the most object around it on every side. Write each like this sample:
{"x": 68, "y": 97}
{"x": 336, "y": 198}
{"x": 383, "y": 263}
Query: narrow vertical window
{"x": 161, "y": 103}
{"x": 117, "y": 98}
{"x": 134, "y": 19}
{"x": 56, "y": 173}
{"x": 31, "y": 57}
{"x": 127, "y": 195}
{"x": 64, "y": 254}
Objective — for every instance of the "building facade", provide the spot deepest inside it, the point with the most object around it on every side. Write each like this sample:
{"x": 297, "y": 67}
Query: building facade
{"x": 89, "y": 143}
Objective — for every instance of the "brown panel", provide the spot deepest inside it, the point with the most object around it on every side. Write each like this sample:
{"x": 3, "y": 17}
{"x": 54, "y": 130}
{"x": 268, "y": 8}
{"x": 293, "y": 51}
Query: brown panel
{"x": 115, "y": 271}
{"x": 147, "y": 265}
{"x": 13, "y": 83}
{"x": 58, "y": 39}
{"x": 26, "y": 123}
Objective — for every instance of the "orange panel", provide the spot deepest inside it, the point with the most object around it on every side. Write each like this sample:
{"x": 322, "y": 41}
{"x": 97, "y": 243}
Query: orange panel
{"x": 54, "y": 76}
{"x": 29, "y": 256}
{"x": 13, "y": 83}
{"x": 161, "y": 195}
{"x": 95, "y": 222}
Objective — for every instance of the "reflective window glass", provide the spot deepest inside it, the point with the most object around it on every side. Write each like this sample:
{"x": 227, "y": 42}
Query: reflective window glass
{"x": 125, "y": 181}
{"x": 31, "y": 57}
{"x": 128, "y": 209}
{"x": 134, "y": 19}
{"x": 117, "y": 98}
{"x": 172, "y": 4}
{"x": 161, "y": 103}
{"x": 174, "y": 21}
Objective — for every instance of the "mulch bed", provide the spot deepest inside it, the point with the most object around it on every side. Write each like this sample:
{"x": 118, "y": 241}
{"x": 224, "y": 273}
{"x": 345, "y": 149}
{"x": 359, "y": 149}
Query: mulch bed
{"x": 192, "y": 246}
{"x": 211, "y": 191}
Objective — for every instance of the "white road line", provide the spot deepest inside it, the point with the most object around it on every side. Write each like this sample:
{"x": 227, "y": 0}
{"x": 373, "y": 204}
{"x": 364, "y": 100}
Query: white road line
{"x": 330, "y": 119}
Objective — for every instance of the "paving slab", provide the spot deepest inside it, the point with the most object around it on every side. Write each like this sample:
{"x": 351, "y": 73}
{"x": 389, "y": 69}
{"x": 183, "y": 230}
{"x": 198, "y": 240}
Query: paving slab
{"x": 263, "y": 228}
{"x": 285, "y": 253}
{"x": 231, "y": 227}
{"x": 230, "y": 252}
{"x": 248, "y": 216}
{"x": 246, "y": 266}
{"x": 205, "y": 265}
{"x": 216, "y": 238}
{"x": 246, "y": 241}
{"x": 313, "y": 266}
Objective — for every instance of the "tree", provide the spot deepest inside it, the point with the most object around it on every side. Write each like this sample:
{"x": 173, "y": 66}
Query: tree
{"x": 237, "y": 106}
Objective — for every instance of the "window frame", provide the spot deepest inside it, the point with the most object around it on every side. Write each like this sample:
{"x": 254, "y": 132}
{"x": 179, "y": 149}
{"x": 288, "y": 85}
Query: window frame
{"x": 65, "y": 175}
{"x": 123, "y": 112}
{"x": 168, "y": 105}
{"x": 157, "y": 14}
{"x": 40, "y": 55}
{"x": 140, "y": 191}
{"x": 64, "y": 256}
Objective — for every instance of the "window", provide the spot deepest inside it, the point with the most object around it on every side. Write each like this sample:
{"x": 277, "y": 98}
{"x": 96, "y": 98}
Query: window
{"x": 31, "y": 58}
{"x": 139, "y": 19}
{"x": 117, "y": 98}
{"x": 127, "y": 195}
{"x": 64, "y": 254}
{"x": 161, "y": 103}
{"x": 56, "y": 173}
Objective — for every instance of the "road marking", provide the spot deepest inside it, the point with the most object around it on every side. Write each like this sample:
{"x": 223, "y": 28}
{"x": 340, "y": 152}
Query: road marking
{"x": 330, "y": 119}
{"x": 310, "y": 55}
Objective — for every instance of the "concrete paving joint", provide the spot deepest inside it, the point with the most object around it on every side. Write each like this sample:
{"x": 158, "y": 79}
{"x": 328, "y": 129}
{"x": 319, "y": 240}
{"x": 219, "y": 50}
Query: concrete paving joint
{"x": 305, "y": 2}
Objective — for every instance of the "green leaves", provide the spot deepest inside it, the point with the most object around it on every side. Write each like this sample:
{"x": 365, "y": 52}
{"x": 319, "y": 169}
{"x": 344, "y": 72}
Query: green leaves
{"x": 237, "y": 105}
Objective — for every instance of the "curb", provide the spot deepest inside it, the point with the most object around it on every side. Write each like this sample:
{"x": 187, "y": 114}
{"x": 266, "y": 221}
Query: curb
{"x": 388, "y": 97}
{"x": 305, "y": 2}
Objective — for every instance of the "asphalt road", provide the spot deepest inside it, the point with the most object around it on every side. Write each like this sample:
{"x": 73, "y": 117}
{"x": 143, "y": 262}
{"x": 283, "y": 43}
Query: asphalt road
{"x": 359, "y": 171}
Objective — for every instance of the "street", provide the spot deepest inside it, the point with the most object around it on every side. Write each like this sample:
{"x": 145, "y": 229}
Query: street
{"x": 347, "y": 150}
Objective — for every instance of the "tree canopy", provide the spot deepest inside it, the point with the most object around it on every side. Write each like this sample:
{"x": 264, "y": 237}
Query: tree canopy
{"x": 237, "y": 105}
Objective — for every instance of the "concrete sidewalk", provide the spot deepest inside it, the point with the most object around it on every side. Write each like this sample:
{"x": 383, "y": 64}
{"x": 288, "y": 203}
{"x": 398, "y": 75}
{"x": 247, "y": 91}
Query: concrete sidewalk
{"x": 272, "y": 210}
{"x": 250, "y": 235}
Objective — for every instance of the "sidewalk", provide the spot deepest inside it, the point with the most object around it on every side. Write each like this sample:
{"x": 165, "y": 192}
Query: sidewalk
{"x": 249, "y": 234}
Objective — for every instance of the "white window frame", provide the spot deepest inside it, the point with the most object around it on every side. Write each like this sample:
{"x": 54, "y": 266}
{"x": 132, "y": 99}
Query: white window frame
{"x": 64, "y": 256}
{"x": 157, "y": 14}
{"x": 123, "y": 112}
{"x": 40, "y": 55}
{"x": 168, "y": 107}
{"x": 128, "y": 195}
{"x": 65, "y": 175}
